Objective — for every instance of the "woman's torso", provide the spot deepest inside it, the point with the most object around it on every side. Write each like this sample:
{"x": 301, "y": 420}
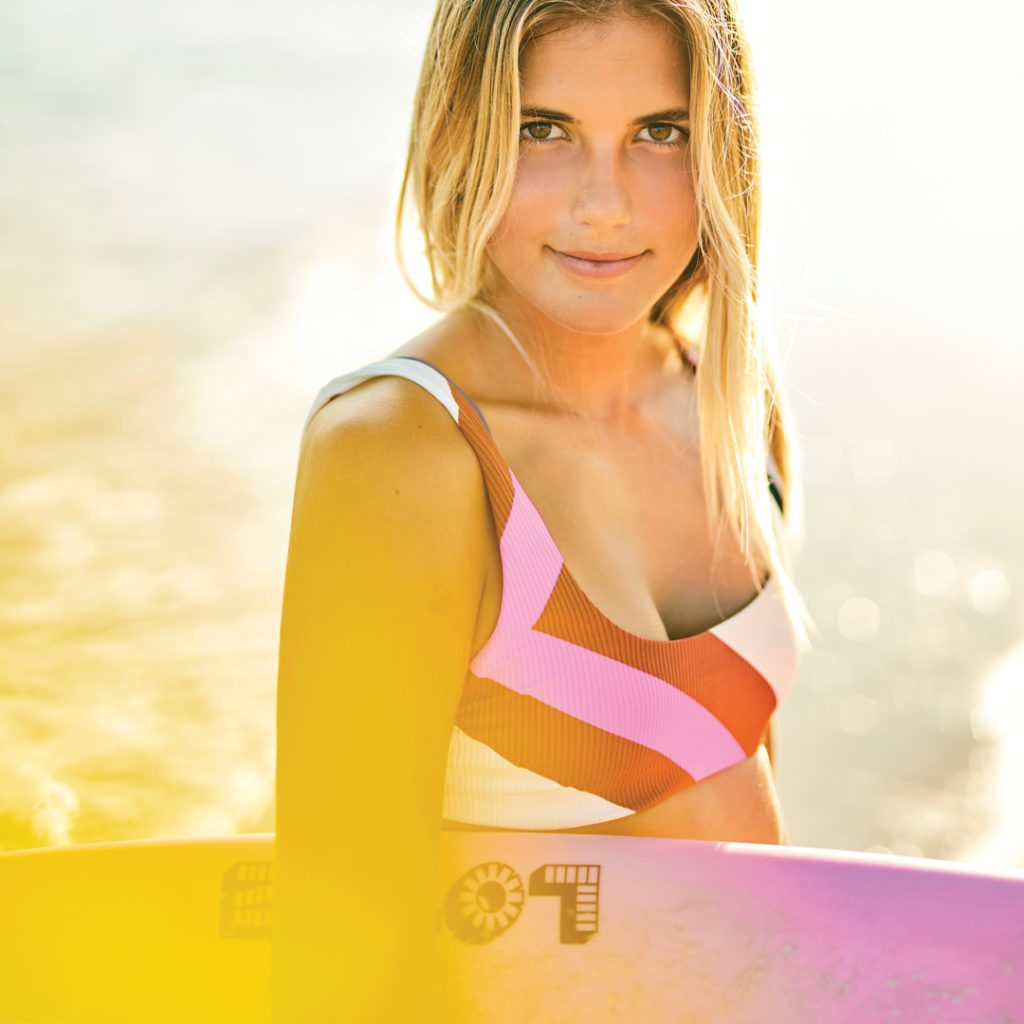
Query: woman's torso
{"x": 626, "y": 510}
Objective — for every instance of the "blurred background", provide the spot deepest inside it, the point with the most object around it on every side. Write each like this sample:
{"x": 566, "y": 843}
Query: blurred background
{"x": 196, "y": 203}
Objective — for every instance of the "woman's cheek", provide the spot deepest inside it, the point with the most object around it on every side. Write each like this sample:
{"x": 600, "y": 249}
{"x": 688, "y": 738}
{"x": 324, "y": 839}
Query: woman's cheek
{"x": 541, "y": 180}
{"x": 667, "y": 196}
{"x": 670, "y": 174}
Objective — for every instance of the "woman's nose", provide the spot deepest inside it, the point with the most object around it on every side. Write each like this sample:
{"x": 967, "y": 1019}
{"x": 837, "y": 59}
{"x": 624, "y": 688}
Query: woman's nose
{"x": 602, "y": 196}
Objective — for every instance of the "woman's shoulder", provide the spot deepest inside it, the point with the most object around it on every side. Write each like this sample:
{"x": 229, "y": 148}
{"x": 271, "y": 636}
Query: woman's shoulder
{"x": 371, "y": 439}
{"x": 390, "y": 429}
{"x": 406, "y": 400}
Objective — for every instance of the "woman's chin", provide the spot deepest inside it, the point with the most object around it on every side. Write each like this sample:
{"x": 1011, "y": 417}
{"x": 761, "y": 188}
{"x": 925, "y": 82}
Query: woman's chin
{"x": 583, "y": 317}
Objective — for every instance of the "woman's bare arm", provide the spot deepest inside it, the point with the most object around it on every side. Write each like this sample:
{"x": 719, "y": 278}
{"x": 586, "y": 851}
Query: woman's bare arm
{"x": 382, "y": 589}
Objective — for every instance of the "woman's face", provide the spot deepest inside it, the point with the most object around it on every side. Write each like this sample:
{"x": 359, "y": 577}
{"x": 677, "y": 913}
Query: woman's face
{"x": 603, "y": 172}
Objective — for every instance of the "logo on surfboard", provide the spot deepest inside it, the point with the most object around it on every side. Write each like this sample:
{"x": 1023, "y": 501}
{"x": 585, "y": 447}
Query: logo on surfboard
{"x": 245, "y": 901}
{"x": 488, "y": 899}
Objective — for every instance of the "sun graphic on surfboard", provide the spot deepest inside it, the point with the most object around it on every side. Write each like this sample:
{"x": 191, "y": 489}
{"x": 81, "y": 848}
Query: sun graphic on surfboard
{"x": 484, "y": 902}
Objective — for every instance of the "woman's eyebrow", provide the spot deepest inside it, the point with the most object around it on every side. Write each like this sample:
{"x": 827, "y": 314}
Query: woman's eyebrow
{"x": 672, "y": 114}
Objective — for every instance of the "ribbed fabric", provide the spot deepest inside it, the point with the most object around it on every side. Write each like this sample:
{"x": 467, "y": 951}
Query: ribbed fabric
{"x": 566, "y": 719}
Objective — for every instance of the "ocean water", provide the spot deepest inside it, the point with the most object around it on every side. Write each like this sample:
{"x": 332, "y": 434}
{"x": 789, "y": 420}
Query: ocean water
{"x": 197, "y": 204}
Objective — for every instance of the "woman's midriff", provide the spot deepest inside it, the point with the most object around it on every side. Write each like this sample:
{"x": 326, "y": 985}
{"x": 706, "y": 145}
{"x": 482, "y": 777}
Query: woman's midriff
{"x": 738, "y": 804}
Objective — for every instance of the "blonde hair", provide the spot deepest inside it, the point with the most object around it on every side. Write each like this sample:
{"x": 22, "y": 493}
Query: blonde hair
{"x": 460, "y": 169}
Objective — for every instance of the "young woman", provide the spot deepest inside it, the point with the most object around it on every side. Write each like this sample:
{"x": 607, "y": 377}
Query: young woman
{"x": 539, "y": 575}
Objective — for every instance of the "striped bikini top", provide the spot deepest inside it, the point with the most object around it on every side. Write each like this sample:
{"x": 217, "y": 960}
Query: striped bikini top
{"x": 565, "y": 718}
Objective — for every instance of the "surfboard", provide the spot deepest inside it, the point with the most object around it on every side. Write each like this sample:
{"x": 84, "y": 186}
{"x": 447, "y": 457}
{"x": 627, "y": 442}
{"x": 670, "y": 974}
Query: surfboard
{"x": 631, "y": 929}
{"x": 533, "y": 927}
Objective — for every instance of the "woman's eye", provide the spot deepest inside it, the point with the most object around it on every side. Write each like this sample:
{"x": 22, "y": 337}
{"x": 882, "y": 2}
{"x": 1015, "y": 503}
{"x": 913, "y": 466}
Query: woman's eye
{"x": 539, "y": 131}
{"x": 662, "y": 134}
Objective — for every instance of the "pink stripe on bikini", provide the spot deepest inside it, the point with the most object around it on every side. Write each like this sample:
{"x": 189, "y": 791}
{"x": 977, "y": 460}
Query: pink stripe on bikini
{"x": 530, "y": 564}
{"x": 618, "y": 698}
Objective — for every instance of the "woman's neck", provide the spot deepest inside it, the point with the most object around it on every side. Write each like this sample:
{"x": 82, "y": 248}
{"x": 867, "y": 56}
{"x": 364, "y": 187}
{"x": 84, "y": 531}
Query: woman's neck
{"x": 595, "y": 376}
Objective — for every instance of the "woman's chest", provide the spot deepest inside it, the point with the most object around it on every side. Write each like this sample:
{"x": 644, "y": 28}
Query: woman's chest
{"x": 627, "y": 515}
{"x": 629, "y": 520}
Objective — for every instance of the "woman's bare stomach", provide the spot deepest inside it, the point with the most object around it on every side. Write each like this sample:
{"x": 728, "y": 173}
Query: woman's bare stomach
{"x": 738, "y": 804}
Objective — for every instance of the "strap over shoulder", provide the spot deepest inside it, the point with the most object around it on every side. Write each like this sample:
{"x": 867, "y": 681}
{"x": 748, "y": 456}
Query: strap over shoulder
{"x": 417, "y": 370}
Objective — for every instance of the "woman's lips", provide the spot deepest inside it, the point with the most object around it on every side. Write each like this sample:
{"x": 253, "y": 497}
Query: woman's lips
{"x": 598, "y": 264}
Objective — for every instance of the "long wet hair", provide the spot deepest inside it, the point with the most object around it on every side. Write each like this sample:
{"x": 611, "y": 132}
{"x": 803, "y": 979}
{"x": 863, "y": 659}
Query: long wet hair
{"x": 460, "y": 171}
